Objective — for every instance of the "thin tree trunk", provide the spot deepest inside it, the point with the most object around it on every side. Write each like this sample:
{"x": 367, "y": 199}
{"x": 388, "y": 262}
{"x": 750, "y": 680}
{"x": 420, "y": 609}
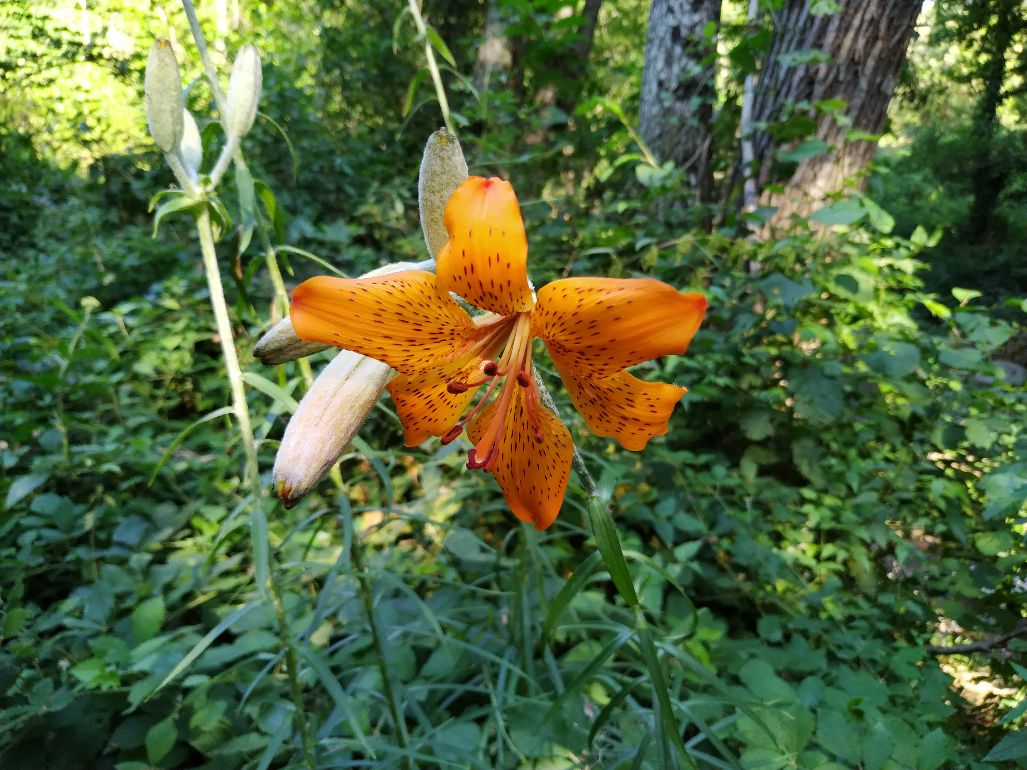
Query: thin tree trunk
{"x": 494, "y": 52}
{"x": 749, "y": 188}
{"x": 866, "y": 43}
{"x": 577, "y": 67}
{"x": 988, "y": 178}
{"x": 675, "y": 118}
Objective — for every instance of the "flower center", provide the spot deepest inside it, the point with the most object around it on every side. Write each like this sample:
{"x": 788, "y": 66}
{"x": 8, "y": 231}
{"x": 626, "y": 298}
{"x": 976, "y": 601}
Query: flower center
{"x": 514, "y": 368}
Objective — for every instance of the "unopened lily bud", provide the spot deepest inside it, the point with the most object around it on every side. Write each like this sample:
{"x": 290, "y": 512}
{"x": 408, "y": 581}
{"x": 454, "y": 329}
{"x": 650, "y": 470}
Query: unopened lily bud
{"x": 191, "y": 146}
{"x": 280, "y": 345}
{"x": 243, "y": 92}
{"x": 328, "y": 418}
{"x": 163, "y": 88}
{"x": 443, "y": 168}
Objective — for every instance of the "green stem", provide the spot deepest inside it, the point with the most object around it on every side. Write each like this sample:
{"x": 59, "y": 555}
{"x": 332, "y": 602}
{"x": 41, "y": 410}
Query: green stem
{"x": 357, "y": 553}
{"x": 433, "y": 67}
{"x": 252, "y": 474}
{"x": 224, "y": 329}
{"x": 208, "y": 64}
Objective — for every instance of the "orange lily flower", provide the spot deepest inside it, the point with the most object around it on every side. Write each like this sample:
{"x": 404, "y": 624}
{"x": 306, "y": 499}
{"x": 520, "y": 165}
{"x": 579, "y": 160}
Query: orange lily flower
{"x": 594, "y": 328}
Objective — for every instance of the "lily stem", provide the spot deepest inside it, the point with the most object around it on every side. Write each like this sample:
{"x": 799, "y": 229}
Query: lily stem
{"x": 252, "y": 469}
{"x": 433, "y": 67}
{"x": 591, "y": 488}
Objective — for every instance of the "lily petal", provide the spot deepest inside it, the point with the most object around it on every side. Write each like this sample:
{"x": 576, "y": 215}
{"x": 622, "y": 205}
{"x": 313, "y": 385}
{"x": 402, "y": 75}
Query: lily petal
{"x": 401, "y": 319}
{"x": 485, "y": 261}
{"x": 532, "y": 472}
{"x": 425, "y": 405}
{"x": 621, "y": 406}
{"x": 600, "y": 326}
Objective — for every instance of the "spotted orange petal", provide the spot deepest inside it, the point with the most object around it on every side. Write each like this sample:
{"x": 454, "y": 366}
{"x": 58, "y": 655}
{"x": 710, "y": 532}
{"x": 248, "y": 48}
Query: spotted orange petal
{"x": 621, "y": 406}
{"x": 600, "y": 326}
{"x": 401, "y": 319}
{"x": 425, "y": 405}
{"x": 532, "y": 473}
{"x": 485, "y": 260}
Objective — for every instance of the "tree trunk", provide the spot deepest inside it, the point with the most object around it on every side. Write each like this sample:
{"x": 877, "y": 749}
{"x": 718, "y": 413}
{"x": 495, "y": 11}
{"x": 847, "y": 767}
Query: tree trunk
{"x": 678, "y": 87}
{"x": 494, "y": 52}
{"x": 989, "y": 178}
{"x": 866, "y": 41}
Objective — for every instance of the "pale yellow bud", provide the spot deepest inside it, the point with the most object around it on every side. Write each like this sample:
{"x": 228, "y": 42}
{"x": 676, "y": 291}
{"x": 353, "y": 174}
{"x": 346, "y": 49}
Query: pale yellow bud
{"x": 162, "y": 86}
{"x": 192, "y": 146}
{"x": 443, "y": 168}
{"x": 243, "y": 92}
{"x": 328, "y": 418}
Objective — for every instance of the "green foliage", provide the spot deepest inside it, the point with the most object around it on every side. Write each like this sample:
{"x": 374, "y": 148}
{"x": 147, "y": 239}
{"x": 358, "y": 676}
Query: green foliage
{"x": 842, "y": 485}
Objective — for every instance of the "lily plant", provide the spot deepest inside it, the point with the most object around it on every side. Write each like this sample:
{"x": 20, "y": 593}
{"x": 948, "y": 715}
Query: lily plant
{"x": 593, "y": 329}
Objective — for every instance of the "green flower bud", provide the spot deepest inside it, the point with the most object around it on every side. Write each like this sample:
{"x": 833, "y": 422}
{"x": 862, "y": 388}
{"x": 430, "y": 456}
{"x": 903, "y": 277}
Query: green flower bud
{"x": 192, "y": 146}
{"x": 280, "y": 344}
{"x": 443, "y": 168}
{"x": 163, "y": 88}
{"x": 243, "y": 92}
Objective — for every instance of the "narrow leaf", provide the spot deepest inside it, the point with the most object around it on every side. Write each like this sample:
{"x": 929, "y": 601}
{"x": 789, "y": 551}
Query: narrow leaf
{"x": 570, "y": 589}
{"x": 225, "y": 410}
{"x": 437, "y": 43}
{"x": 265, "y": 386}
{"x": 609, "y": 546}
{"x": 668, "y": 724}
{"x": 200, "y": 647}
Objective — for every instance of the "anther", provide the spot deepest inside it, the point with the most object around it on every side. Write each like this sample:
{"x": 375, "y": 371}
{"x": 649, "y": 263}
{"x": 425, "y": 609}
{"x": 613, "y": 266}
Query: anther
{"x": 457, "y": 387}
{"x": 491, "y": 368}
{"x": 452, "y": 434}
{"x": 522, "y": 379}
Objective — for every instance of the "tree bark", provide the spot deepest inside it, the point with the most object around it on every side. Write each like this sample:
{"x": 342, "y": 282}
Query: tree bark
{"x": 678, "y": 88}
{"x": 989, "y": 178}
{"x": 866, "y": 43}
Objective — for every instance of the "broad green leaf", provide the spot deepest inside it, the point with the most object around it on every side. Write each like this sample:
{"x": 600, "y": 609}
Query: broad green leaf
{"x": 1011, "y": 748}
{"x": 845, "y": 212}
{"x": 934, "y": 750}
{"x": 22, "y": 487}
{"x": 160, "y": 739}
{"x": 993, "y": 543}
{"x": 147, "y": 618}
{"x": 838, "y": 735}
{"x": 807, "y": 149}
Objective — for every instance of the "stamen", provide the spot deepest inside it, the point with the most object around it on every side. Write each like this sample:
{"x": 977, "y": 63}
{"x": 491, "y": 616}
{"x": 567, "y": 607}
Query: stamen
{"x": 457, "y": 429}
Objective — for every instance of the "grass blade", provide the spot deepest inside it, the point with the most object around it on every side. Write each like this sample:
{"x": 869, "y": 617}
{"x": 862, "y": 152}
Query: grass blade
{"x": 588, "y": 671}
{"x": 199, "y": 648}
{"x": 667, "y": 723}
{"x": 566, "y": 595}
{"x": 225, "y": 410}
